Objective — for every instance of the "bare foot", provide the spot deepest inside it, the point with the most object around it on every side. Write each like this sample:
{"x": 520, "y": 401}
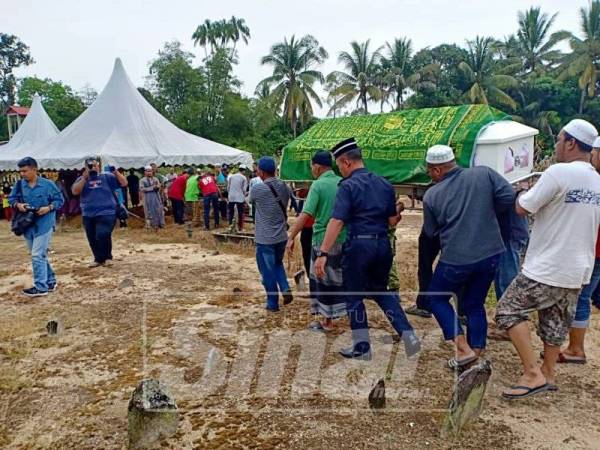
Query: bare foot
{"x": 527, "y": 380}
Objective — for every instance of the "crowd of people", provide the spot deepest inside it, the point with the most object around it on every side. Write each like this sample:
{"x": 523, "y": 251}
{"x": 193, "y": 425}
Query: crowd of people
{"x": 475, "y": 224}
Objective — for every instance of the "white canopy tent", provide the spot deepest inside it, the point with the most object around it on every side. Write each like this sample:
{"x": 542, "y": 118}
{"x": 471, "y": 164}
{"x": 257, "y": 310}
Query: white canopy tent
{"x": 36, "y": 129}
{"x": 126, "y": 131}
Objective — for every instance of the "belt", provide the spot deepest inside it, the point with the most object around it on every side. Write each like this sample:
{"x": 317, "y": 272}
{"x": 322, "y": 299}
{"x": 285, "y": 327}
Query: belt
{"x": 369, "y": 236}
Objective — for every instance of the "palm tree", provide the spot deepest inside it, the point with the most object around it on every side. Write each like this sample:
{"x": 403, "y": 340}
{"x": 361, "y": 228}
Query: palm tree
{"x": 480, "y": 71}
{"x": 294, "y": 75}
{"x": 401, "y": 74}
{"x": 357, "y": 82}
{"x": 220, "y": 33}
{"x": 583, "y": 61}
{"x": 535, "y": 43}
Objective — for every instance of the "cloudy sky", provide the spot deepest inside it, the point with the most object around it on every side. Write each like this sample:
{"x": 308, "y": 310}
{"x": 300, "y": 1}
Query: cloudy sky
{"x": 76, "y": 41}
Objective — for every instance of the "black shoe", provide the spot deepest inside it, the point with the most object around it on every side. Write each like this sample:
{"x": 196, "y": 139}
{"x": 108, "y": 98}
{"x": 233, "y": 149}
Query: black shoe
{"x": 287, "y": 297}
{"x": 52, "y": 286}
{"x": 351, "y": 353}
{"x": 33, "y": 292}
{"x": 412, "y": 344}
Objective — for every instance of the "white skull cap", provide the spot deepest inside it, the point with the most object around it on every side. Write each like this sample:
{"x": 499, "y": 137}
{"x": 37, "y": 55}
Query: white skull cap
{"x": 439, "y": 154}
{"x": 582, "y": 130}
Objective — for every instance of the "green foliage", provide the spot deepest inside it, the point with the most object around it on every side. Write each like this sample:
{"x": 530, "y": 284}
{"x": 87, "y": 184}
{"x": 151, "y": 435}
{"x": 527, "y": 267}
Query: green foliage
{"x": 60, "y": 102}
{"x": 294, "y": 75}
{"x": 13, "y": 54}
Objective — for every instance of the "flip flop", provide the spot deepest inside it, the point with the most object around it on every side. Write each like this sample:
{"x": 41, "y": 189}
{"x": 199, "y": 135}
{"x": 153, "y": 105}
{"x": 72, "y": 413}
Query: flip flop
{"x": 454, "y": 363}
{"x": 528, "y": 391}
{"x": 552, "y": 387}
{"x": 563, "y": 359}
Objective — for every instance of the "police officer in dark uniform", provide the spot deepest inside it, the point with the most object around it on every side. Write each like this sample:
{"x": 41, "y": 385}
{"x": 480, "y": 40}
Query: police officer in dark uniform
{"x": 366, "y": 204}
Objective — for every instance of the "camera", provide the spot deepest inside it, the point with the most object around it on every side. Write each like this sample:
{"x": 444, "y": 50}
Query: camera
{"x": 89, "y": 163}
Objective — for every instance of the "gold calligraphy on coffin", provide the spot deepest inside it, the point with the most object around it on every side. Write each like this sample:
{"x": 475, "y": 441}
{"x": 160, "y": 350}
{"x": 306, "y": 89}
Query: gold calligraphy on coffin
{"x": 393, "y": 144}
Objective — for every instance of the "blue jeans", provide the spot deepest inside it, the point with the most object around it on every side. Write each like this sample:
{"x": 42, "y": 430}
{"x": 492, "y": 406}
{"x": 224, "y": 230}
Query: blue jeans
{"x": 98, "y": 231}
{"x": 474, "y": 280}
{"x": 584, "y": 309}
{"x": 508, "y": 267}
{"x": 208, "y": 200}
{"x": 43, "y": 275}
{"x": 366, "y": 267}
{"x": 269, "y": 258}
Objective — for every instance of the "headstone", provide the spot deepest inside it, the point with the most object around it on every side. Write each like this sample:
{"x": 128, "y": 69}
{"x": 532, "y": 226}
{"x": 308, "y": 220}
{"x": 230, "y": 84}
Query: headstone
{"x": 152, "y": 414}
{"x": 299, "y": 279}
{"x": 126, "y": 283}
{"x": 377, "y": 395}
{"x": 53, "y": 327}
{"x": 467, "y": 398}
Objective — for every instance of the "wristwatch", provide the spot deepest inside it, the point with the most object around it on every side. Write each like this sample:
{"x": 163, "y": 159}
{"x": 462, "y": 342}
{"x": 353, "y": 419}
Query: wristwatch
{"x": 320, "y": 253}
{"x": 51, "y": 206}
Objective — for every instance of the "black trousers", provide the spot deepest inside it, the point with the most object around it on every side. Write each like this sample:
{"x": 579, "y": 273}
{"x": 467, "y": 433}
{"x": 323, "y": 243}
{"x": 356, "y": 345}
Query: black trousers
{"x": 240, "y": 210}
{"x": 306, "y": 244}
{"x": 178, "y": 210}
{"x": 98, "y": 231}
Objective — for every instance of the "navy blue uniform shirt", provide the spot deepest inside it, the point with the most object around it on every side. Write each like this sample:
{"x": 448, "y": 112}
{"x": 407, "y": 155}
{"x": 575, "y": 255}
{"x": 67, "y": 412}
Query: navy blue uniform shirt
{"x": 364, "y": 202}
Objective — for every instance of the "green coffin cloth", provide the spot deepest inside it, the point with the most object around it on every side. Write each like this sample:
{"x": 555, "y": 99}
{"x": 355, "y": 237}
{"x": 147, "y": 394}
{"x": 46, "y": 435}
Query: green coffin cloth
{"x": 394, "y": 144}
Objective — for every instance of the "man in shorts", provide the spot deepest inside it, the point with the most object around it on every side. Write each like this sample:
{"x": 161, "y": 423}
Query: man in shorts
{"x": 559, "y": 260}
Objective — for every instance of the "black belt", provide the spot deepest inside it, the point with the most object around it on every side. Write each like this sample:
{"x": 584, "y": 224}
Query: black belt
{"x": 369, "y": 236}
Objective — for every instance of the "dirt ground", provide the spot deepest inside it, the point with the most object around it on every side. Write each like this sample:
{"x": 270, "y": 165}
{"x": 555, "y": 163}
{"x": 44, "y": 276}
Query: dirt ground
{"x": 190, "y": 312}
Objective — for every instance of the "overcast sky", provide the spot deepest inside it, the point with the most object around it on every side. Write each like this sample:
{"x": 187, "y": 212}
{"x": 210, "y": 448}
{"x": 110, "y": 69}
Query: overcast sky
{"x": 76, "y": 41}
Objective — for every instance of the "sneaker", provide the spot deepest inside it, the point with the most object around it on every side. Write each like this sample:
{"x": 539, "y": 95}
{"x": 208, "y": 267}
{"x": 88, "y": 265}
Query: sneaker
{"x": 33, "y": 292}
{"x": 94, "y": 264}
{"x": 108, "y": 263}
{"x": 52, "y": 286}
{"x": 412, "y": 344}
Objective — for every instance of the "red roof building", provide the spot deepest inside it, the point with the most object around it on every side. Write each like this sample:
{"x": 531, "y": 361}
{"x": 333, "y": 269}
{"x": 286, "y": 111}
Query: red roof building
{"x": 15, "y": 115}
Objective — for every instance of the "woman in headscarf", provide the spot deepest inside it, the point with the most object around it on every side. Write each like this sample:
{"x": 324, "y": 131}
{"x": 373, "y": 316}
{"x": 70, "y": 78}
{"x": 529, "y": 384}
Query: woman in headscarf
{"x": 153, "y": 207}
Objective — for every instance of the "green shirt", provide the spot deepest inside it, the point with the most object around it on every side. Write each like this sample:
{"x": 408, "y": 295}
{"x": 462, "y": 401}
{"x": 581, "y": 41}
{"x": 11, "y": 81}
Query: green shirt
{"x": 319, "y": 204}
{"x": 192, "y": 190}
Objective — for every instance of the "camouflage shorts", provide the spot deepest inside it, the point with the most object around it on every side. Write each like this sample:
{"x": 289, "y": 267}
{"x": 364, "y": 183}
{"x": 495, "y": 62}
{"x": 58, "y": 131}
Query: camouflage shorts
{"x": 555, "y": 306}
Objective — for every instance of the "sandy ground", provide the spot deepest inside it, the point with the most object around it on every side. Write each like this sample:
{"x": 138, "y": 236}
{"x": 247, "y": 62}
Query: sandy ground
{"x": 189, "y": 311}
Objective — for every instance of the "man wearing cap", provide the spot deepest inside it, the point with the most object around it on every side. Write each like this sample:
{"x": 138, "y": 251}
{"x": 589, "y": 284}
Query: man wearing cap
{"x": 574, "y": 353}
{"x": 565, "y": 202}
{"x": 365, "y": 203}
{"x": 271, "y": 198}
{"x": 326, "y": 298}
{"x": 43, "y": 195}
{"x": 461, "y": 210}
{"x": 237, "y": 186}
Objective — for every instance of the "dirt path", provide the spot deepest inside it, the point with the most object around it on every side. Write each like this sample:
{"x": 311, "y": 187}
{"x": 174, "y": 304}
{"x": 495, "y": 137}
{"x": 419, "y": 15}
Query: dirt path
{"x": 190, "y": 312}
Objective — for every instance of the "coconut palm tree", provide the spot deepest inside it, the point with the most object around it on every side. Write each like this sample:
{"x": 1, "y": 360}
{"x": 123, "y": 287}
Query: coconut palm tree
{"x": 480, "y": 69}
{"x": 220, "y": 33}
{"x": 535, "y": 43}
{"x": 357, "y": 82}
{"x": 294, "y": 65}
{"x": 583, "y": 61}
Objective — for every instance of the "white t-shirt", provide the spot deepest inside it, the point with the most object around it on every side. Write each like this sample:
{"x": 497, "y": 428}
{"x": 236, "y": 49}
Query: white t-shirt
{"x": 566, "y": 205}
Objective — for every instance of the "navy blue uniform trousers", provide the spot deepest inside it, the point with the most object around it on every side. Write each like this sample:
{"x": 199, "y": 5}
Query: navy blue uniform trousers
{"x": 366, "y": 266}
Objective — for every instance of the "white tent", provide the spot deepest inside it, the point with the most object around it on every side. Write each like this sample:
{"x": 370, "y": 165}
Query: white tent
{"x": 37, "y": 128}
{"x": 126, "y": 131}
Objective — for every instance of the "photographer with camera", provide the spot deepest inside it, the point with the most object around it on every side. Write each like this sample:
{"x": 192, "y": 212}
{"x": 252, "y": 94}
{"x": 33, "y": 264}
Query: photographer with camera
{"x": 99, "y": 207}
{"x": 36, "y": 200}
